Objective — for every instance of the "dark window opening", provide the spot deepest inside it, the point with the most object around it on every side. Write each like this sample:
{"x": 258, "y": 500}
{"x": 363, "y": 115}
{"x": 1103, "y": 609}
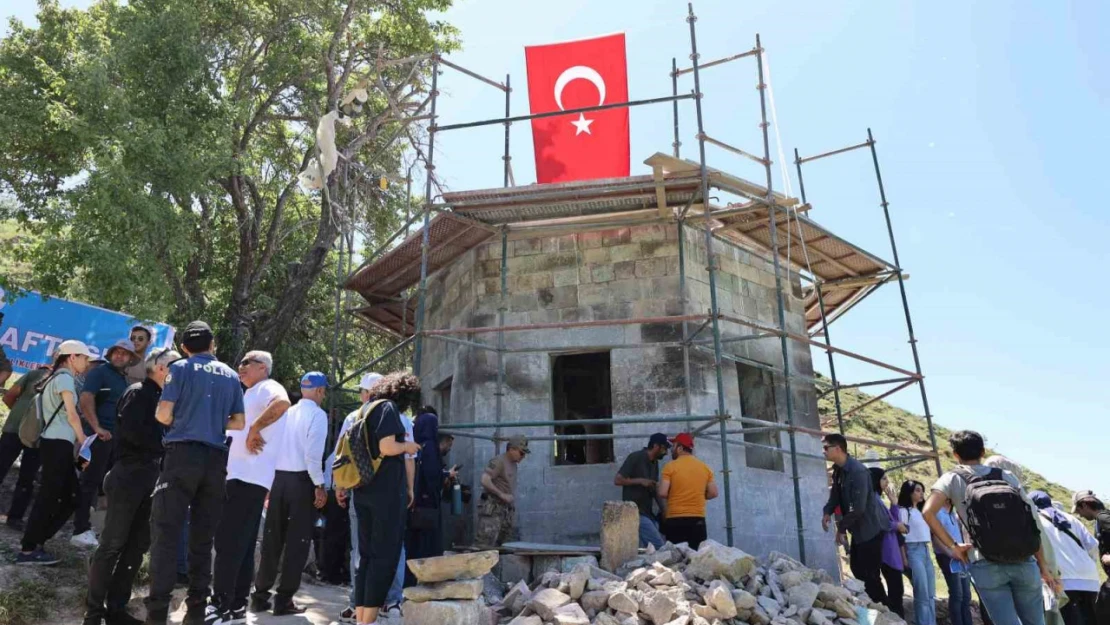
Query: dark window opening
{"x": 581, "y": 390}
{"x": 443, "y": 401}
{"x": 757, "y": 401}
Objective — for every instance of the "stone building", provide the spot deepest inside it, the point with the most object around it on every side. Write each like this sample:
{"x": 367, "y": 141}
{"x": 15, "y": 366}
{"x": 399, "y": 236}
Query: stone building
{"x": 569, "y": 261}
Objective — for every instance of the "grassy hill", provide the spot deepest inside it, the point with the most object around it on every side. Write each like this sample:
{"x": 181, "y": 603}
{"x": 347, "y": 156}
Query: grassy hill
{"x": 884, "y": 422}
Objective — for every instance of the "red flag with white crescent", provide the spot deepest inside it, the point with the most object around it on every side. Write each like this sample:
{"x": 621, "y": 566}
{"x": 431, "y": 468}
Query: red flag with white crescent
{"x": 578, "y": 74}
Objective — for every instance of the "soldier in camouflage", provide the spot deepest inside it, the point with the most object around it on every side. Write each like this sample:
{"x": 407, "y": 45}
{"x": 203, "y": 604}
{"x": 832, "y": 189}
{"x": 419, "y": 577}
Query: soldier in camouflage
{"x": 498, "y": 511}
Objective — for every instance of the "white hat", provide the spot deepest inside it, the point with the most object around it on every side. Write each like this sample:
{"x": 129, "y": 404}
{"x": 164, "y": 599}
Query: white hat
{"x": 369, "y": 380}
{"x": 72, "y": 348}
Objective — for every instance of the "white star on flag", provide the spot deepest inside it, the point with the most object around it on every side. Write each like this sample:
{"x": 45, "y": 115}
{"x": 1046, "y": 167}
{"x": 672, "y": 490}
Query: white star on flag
{"x": 582, "y": 125}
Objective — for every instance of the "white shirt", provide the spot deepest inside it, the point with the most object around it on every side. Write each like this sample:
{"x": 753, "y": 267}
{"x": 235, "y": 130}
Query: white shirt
{"x": 407, "y": 422}
{"x": 306, "y": 433}
{"x": 1078, "y": 568}
{"x": 915, "y": 521}
{"x": 257, "y": 468}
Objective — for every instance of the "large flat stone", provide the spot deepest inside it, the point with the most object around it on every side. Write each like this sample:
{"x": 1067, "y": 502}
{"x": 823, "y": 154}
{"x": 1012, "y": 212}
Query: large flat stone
{"x": 546, "y": 601}
{"x": 714, "y": 560}
{"x": 620, "y": 533}
{"x": 441, "y": 591}
{"x": 440, "y": 612}
{"x": 514, "y": 568}
{"x": 570, "y": 614}
{"x": 459, "y": 566}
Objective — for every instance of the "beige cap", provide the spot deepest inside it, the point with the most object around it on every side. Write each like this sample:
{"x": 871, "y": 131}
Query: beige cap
{"x": 369, "y": 380}
{"x": 72, "y": 348}
{"x": 519, "y": 441}
{"x": 1082, "y": 496}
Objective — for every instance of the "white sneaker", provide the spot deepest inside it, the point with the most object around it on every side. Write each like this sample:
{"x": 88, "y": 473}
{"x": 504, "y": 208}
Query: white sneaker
{"x": 86, "y": 538}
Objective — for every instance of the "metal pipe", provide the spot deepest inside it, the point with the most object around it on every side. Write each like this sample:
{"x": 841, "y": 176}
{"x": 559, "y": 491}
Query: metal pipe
{"x": 759, "y": 365}
{"x": 682, "y": 299}
{"x": 584, "y": 109}
{"x": 629, "y": 420}
{"x": 674, "y": 91}
{"x": 832, "y": 153}
{"x": 905, "y": 301}
{"x": 879, "y": 398}
{"x": 455, "y": 432}
{"x": 767, "y": 447}
{"x": 647, "y": 187}
{"x": 429, "y": 168}
{"x": 735, "y": 150}
{"x": 737, "y": 339}
{"x": 475, "y": 75}
{"x": 389, "y": 352}
{"x": 507, "y": 158}
{"x": 531, "y": 350}
{"x": 871, "y": 383}
{"x": 721, "y": 409}
{"x": 463, "y": 342}
{"x": 905, "y": 465}
{"x": 701, "y": 327}
{"x": 821, "y": 433}
{"x": 502, "y": 303}
{"x": 781, "y": 300}
{"x": 385, "y": 246}
{"x": 567, "y": 324}
{"x": 824, "y": 318}
{"x": 717, "y": 62}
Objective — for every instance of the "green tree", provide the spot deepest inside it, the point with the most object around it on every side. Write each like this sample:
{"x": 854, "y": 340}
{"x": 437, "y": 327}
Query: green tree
{"x": 154, "y": 147}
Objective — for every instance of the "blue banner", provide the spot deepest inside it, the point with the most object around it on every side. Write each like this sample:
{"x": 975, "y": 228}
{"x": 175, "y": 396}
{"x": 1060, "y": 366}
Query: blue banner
{"x": 34, "y": 325}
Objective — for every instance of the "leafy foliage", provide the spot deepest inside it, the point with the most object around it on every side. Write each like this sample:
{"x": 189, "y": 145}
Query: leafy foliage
{"x": 153, "y": 147}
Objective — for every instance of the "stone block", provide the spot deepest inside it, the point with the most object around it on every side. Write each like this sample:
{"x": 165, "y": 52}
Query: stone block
{"x": 658, "y": 249}
{"x": 589, "y": 240}
{"x": 558, "y": 297}
{"x": 439, "y": 612}
{"x": 527, "y": 620}
{"x": 512, "y": 568}
{"x": 624, "y": 270}
{"x": 546, "y": 601}
{"x": 651, "y": 268}
{"x": 648, "y": 233}
{"x": 526, "y": 247}
{"x": 594, "y": 256}
{"x": 620, "y": 236}
{"x": 570, "y": 614}
{"x": 626, "y": 252}
{"x": 459, "y": 566}
{"x": 556, "y": 260}
{"x": 442, "y": 591}
{"x": 601, "y": 273}
{"x": 620, "y": 533}
{"x": 565, "y": 277}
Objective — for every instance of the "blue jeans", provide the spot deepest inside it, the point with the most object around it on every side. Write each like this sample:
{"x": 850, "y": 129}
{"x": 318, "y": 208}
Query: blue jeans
{"x": 649, "y": 532}
{"x": 959, "y": 591}
{"x": 924, "y": 583}
{"x": 396, "y": 590}
{"x": 354, "y": 544}
{"x": 1010, "y": 592}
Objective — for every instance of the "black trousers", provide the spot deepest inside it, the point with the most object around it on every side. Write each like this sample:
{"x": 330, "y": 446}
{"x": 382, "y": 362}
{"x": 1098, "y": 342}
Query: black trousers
{"x": 235, "y": 540}
{"x": 287, "y": 536}
{"x": 1080, "y": 609}
{"x": 192, "y": 479}
{"x": 91, "y": 479}
{"x": 895, "y": 590}
{"x": 335, "y": 550}
{"x": 57, "y": 493}
{"x": 381, "y": 529}
{"x": 1102, "y": 604}
{"x": 10, "y": 449}
{"x": 685, "y": 529}
{"x": 125, "y": 538}
{"x": 865, "y": 558}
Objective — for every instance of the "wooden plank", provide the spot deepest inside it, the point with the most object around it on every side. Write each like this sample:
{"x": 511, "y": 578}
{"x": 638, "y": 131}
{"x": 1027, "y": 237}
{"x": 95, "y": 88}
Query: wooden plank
{"x": 660, "y": 191}
{"x": 671, "y": 164}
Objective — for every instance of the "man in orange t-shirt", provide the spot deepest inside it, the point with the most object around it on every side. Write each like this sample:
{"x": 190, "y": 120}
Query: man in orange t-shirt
{"x": 686, "y": 485}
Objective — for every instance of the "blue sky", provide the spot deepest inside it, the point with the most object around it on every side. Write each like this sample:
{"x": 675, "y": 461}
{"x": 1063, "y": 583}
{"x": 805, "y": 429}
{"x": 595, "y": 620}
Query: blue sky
{"x": 992, "y": 129}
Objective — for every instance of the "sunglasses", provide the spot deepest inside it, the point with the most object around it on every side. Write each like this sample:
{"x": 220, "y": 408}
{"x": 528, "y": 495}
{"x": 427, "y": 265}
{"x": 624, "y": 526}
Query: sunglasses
{"x": 249, "y": 361}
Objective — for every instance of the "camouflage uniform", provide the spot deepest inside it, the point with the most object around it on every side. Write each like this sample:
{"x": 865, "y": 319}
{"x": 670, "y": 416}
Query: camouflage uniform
{"x": 495, "y": 517}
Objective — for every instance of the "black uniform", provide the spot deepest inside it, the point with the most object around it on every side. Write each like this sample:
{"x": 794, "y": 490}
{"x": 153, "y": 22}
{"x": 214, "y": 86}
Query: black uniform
{"x": 126, "y": 535}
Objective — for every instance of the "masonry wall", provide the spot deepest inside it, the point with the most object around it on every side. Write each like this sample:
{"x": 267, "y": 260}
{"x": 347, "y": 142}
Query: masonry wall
{"x": 615, "y": 274}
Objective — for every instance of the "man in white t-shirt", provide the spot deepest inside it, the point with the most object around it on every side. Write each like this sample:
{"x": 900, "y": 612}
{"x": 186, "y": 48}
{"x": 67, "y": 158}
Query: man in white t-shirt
{"x": 251, "y": 463}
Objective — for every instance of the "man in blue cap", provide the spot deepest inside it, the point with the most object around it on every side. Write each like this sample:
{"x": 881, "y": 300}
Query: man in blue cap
{"x": 201, "y": 400}
{"x": 298, "y": 491}
{"x": 638, "y": 478}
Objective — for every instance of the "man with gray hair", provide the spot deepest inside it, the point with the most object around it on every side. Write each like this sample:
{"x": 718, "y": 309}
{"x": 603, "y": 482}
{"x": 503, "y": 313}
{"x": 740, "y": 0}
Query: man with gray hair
{"x": 251, "y": 463}
{"x": 129, "y": 485}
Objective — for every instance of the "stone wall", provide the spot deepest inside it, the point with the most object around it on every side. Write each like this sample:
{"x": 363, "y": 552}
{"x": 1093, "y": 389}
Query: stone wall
{"x": 615, "y": 274}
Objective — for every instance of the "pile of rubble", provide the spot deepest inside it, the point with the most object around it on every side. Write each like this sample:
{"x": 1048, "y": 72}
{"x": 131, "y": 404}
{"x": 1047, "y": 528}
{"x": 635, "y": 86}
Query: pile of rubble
{"x": 715, "y": 585}
{"x": 450, "y": 589}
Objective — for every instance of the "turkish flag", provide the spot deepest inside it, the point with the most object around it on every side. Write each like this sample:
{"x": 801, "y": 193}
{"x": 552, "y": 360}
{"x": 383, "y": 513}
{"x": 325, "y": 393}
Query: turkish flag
{"x": 579, "y": 74}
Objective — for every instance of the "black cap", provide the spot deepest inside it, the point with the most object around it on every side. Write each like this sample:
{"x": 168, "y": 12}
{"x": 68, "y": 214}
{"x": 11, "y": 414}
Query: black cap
{"x": 196, "y": 330}
{"x": 659, "y": 439}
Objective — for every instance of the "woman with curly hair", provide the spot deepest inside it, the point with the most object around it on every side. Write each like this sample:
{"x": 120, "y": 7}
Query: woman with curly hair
{"x": 381, "y": 502}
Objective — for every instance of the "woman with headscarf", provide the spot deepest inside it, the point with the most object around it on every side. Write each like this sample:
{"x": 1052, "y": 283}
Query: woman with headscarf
{"x": 892, "y": 564}
{"x": 425, "y": 532}
{"x": 1076, "y": 557}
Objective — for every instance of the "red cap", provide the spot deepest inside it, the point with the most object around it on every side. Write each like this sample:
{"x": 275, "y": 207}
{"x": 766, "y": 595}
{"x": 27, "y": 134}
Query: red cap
{"x": 685, "y": 440}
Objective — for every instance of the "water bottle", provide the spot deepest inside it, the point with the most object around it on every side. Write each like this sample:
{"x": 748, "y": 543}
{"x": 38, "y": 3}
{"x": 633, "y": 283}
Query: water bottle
{"x": 456, "y": 498}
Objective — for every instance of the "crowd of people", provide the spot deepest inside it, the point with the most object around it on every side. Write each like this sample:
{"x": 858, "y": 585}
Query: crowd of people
{"x": 196, "y": 457}
{"x": 1029, "y": 561}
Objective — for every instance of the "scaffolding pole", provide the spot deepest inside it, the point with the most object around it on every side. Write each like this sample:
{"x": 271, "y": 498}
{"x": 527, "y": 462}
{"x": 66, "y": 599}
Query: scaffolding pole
{"x": 905, "y": 300}
{"x": 429, "y": 170}
{"x": 824, "y": 317}
{"x": 781, "y": 301}
{"x": 721, "y": 410}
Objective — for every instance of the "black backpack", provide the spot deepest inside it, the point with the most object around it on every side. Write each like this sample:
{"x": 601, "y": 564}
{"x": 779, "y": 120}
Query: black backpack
{"x": 999, "y": 521}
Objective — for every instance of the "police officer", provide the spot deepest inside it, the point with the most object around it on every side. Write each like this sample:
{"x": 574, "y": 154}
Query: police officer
{"x": 201, "y": 399}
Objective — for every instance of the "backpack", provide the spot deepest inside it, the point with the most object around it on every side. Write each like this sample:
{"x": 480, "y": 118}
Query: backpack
{"x": 354, "y": 466}
{"x": 999, "y": 521}
{"x": 33, "y": 425}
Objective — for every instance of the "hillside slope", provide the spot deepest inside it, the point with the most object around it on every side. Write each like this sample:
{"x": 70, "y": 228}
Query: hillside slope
{"x": 884, "y": 422}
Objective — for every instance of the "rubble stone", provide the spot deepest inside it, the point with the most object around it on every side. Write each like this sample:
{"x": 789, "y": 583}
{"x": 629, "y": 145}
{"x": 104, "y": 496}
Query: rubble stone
{"x": 714, "y": 560}
{"x": 595, "y": 600}
{"x": 803, "y": 595}
{"x": 605, "y": 618}
{"x": 570, "y": 614}
{"x": 512, "y": 568}
{"x": 829, "y": 593}
{"x": 577, "y": 580}
{"x": 658, "y": 607}
{"x": 720, "y": 597}
{"x": 770, "y": 606}
{"x": 620, "y": 533}
{"x": 844, "y": 609}
{"x": 854, "y": 585}
{"x": 622, "y": 602}
{"x": 546, "y": 601}
{"x": 523, "y": 620}
{"x": 454, "y": 589}
{"x": 459, "y": 566}
{"x": 517, "y": 597}
{"x": 743, "y": 599}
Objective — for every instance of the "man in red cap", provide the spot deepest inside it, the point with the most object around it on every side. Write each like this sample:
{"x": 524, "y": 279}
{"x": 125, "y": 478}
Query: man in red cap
{"x": 686, "y": 485}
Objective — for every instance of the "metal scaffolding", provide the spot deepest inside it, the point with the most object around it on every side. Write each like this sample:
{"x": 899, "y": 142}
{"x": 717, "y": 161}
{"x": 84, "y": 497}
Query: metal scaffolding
{"x": 692, "y": 325}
